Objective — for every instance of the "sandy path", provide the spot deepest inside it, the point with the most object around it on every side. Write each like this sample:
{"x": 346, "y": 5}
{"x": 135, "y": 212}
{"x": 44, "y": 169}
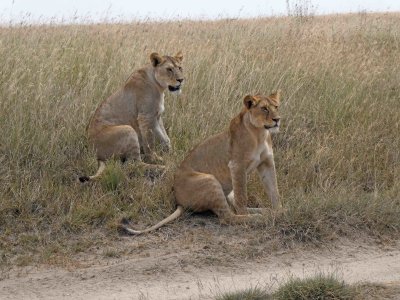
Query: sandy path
{"x": 163, "y": 277}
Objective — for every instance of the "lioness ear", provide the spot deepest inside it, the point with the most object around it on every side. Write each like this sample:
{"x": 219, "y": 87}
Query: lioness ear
{"x": 155, "y": 59}
{"x": 276, "y": 96}
{"x": 179, "y": 56}
{"x": 249, "y": 101}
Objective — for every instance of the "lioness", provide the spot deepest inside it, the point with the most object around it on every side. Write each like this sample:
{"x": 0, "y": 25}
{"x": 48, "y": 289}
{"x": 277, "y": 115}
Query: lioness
{"x": 131, "y": 117}
{"x": 213, "y": 176}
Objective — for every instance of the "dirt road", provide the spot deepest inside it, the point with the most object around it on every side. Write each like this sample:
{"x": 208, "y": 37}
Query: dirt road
{"x": 170, "y": 274}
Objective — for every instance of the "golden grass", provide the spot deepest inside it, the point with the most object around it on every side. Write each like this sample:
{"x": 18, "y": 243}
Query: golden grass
{"x": 337, "y": 155}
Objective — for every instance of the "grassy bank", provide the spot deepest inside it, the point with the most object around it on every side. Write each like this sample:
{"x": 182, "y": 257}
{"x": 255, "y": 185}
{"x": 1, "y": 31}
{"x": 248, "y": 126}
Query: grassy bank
{"x": 317, "y": 287}
{"x": 337, "y": 155}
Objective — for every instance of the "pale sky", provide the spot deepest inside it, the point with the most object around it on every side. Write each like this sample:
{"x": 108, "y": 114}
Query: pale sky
{"x": 34, "y": 11}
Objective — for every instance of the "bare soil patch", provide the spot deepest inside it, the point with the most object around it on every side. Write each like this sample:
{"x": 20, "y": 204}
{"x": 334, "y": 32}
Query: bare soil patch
{"x": 201, "y": 261}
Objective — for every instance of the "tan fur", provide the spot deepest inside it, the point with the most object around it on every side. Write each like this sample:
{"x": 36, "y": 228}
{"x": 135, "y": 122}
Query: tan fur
{"x": 131, "y": 118}
{"x": 219, "y": 166}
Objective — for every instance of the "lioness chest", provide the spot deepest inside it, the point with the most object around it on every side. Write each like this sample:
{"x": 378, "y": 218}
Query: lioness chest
{"x": 261, "y": 153}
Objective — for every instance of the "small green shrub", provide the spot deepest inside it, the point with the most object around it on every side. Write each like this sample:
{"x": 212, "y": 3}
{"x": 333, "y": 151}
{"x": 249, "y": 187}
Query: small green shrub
{"x": 112, "y": 178}
{"x": 321, "y": 287}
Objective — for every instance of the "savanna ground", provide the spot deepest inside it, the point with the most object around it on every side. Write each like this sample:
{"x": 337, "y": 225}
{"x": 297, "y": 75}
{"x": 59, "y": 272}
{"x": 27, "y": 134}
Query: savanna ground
{"x": 337, "y": 155}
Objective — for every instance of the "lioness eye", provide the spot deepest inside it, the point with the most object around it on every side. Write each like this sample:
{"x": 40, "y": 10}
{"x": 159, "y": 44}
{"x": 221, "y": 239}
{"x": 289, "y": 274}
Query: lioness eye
{"x": 169, "y": 70}
{"x": 265, "y": 109}
{"x": 180, "y": 68}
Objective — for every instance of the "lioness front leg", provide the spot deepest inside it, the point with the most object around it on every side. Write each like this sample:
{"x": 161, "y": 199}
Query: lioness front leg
{"x": 147, "y": 127}
{"x": 239, "y": 184}
{"x": 162, "y": 135}
{"x": 267, "y": 173}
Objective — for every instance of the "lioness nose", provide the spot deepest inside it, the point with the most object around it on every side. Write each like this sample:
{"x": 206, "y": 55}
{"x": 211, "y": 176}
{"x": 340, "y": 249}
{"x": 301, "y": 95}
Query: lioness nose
{"x": 180, "y": 80}
{"x": 276, "y": 120}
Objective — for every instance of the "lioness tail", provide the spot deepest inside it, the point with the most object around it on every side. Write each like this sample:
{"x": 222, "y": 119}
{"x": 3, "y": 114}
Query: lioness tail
{"x": 176, "y": 214}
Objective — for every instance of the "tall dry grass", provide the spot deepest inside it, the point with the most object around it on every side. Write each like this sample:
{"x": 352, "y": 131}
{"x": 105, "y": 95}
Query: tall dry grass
{"x": 337, "y": 155}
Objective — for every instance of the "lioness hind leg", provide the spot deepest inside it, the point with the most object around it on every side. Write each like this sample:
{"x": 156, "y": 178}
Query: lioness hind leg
{"x": 222, "y": 208}
{"x": 119, "y": 141}
{"x": 201, "y": 192}
{"x": 231, "y": 200}
{"x": 228, "y": 217}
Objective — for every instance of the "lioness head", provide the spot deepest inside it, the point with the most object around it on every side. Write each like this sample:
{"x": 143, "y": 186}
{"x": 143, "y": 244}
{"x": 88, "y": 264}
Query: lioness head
{"x": 168, "y": 71}
{"x": 264, "y": 110}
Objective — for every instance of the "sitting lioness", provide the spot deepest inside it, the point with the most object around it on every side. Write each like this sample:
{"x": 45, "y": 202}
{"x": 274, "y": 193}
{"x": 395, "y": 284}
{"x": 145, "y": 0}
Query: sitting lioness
{"x": 131, "y": 118}
{"x": 214, "y": 174}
